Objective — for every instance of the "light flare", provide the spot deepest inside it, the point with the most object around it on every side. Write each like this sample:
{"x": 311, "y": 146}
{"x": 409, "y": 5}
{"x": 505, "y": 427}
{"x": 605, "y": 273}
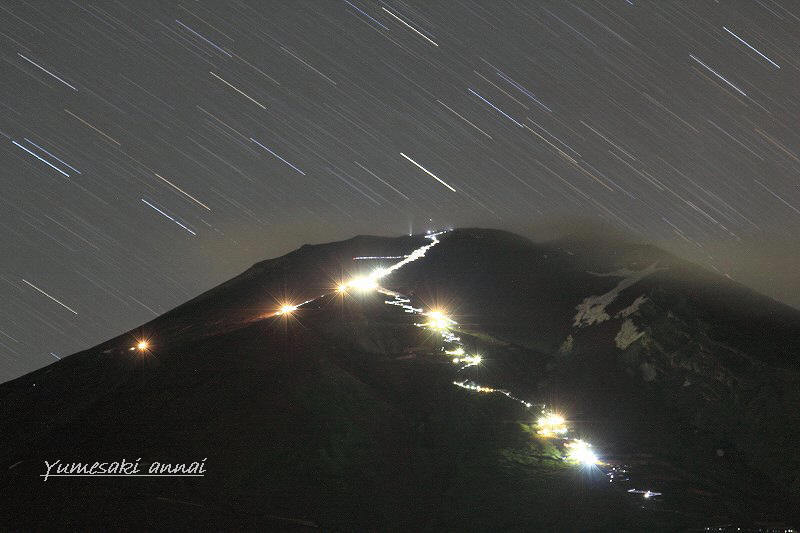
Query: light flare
{"x": 141, "y": 346}
{"x": 363, "y": 284}
{"x": 469, "y": 360}
{"x": 579, "y": 452}
{"x": 438, "y": 319}
{"x": 286, "y": 309}
{"x": 551, "y": 425}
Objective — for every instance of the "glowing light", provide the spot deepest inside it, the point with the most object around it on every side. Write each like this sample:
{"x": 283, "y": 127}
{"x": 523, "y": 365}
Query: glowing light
{"x": 438, "y": 320}
{"x": 413, "y": 256}
{"x": 469, "y": 385}
{"x": 363, "y": 284}
{"x": 342, "y": 288}
{"x": 646, "y": 494}
{"x": 469, "y": 360}
{"x": 472, "y": 386}
{"x": 287, "y": 309}
{"x": 141, "y": 346}
{"x": 378, "y": 273}
{"x": 551, "y": 425}
{"x": 579, "y": 452}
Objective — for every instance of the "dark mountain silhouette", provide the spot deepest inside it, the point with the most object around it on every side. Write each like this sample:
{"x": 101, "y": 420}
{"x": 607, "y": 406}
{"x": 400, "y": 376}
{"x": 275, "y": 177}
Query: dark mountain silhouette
{"x": 343, "y": 414}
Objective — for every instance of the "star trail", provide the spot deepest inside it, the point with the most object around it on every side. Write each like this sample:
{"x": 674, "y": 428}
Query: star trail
{"x": 153, "y": 150}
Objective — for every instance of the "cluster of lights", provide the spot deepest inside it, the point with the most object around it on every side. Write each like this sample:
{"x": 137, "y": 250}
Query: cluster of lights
{"x": 472, "y": 386}
{"x": 449, "y": 336}
{"x": 413, "y": 256}
{"x": 479, "y": 388}
{"x": 369, "y": 283}
{"x": 438, "y": 320}
{"x": 617, "y": 474}
{"x": 362, "y": 284}
{"x": 403, "y": 303}
{"x": 468, "y": 360}
{"x": 286, "y": 309}
{"x": 579, "y": 451}
{"x": 551, "y": 425}
{"x": 646, "y": 494}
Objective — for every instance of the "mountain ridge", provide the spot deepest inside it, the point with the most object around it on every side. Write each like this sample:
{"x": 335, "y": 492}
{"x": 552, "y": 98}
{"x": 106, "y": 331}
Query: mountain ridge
{"x": 317, "y": 390}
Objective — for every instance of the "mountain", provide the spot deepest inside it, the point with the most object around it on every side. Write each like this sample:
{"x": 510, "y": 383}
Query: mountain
{"x": 344, "y": 413}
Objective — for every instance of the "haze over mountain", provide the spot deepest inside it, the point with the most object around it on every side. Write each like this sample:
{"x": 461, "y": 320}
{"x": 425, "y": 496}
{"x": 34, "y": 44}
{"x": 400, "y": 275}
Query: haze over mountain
{"x": 344, "y": 412}
{"x": 767, "y": 265}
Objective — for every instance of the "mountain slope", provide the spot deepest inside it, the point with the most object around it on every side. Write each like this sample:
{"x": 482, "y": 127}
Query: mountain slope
{"x": 686, "y": 379}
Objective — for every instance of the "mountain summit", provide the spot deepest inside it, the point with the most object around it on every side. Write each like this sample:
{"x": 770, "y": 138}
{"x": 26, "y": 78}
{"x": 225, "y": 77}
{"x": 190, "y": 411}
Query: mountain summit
{"x": 468, "y": 379}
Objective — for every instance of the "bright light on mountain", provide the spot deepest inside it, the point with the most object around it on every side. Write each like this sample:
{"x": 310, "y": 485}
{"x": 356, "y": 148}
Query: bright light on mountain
{"x": 551, "y": 425}
{"x": 579, "y": 452}
{"x": 439, "y": 320}
{"x": 287, "y": 309}
{"x": 363, "y": 284}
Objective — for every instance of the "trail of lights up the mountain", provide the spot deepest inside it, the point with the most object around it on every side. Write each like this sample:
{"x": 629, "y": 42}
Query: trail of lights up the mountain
{"x": 549, "y": 425}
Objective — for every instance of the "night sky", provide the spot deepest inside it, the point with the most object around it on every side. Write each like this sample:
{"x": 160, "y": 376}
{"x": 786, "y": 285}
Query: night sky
{"x": 151, "y": 150}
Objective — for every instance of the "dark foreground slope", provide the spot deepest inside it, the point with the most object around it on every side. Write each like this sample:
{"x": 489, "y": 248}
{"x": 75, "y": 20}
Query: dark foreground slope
{"x": 344, "y": 416}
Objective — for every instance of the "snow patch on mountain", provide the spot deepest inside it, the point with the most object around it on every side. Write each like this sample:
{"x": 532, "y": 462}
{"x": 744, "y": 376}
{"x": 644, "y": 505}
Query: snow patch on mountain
{"x": 633, "y": 308}
{"x": 628, "y": 334}
{"x": 592, "y": 310}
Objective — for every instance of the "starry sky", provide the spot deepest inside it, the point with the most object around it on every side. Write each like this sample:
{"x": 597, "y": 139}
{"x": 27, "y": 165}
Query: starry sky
{"x": 151, "y": 150}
